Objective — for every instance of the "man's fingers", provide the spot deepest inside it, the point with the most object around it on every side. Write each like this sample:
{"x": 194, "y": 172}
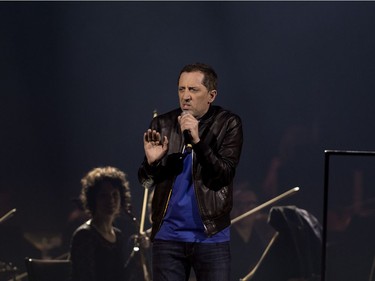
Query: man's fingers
{"x": 152, "y": 136}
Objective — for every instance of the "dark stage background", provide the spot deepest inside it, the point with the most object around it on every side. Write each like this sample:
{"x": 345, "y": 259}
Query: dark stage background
{"x": 80, "y": 81}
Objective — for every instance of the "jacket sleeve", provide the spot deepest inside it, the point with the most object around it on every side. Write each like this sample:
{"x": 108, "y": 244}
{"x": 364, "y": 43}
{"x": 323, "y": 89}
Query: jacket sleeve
{"x": 146, "y": 173}
{"x": 219, "y": 161}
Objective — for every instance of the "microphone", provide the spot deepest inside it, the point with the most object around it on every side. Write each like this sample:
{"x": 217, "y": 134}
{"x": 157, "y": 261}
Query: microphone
{"x": 187, "y": 138}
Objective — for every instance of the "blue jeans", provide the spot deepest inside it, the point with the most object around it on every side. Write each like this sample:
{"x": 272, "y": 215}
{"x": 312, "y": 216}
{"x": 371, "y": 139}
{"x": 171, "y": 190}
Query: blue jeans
{"x": 172, "y": 261}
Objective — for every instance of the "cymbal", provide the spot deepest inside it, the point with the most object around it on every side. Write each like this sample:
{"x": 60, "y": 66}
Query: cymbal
{"x": 44, "y": 241}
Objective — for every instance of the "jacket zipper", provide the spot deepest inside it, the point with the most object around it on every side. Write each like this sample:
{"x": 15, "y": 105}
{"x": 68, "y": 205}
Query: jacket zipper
{"x": 195, "y": 192}
{"x": 169, "y": 197}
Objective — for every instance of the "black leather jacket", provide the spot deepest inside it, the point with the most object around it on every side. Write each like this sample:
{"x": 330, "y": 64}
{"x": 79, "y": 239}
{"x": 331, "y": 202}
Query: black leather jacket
{"x": 215, "y": 159}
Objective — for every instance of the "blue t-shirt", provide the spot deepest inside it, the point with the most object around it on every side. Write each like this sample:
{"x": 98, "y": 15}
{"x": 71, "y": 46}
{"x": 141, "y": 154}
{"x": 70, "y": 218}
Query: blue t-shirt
{"x": 182, "y": 221}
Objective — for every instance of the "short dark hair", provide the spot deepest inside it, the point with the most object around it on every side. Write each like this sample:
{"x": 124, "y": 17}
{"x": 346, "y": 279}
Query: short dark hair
{"x": 95, "y": 178}
{"x": 210, "y": 76}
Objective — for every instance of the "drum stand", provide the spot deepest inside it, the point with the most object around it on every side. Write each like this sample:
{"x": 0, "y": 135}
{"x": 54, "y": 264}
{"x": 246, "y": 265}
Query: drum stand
{"x": 141, "y": 240}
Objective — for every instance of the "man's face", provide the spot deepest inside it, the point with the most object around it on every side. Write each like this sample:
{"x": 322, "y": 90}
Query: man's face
{"x": 194, "y": 96}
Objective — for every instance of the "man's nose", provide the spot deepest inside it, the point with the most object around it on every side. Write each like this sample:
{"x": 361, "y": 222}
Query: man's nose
{"x": 186, "y": 95}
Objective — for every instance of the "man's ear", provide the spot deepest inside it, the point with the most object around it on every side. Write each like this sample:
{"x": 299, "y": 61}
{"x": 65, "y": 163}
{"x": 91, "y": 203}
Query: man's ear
{"x": 212, "y": 96}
